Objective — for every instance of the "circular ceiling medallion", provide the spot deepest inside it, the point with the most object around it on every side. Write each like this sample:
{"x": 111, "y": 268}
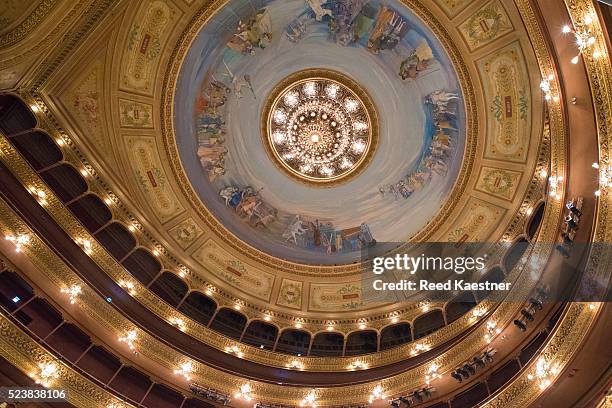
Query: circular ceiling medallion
{"x": 320, "y": 127}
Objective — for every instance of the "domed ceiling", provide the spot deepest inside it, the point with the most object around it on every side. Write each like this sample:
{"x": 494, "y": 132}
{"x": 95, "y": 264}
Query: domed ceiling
{"x": 406, "y": 150}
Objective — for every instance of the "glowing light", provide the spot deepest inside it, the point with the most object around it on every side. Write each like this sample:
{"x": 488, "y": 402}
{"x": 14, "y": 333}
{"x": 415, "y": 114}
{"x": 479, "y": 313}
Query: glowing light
{"x": 492, "y": 331}
{"x": 566, "y": 29}
{"x": 310, "y": 89}
{"x": 73, "y": 292}
{"x": 185, "y": 370}
{"x": 377, "y": 393}
{"x": 245, "y": 392}
{"x": 575, "y": 59}
{"x": 280, "y": 116}
{"x": 85, "y": 244}
{"x": 19, "y": 241}
{"x": 47, "y": 373}
{"x": 291, "y": 99}
{"x": 129, "y": 339}
{"x": 235, "y": 350}
{"x": 360, "y": 126}
{"x": 432, "y": 373}
{"x": 332, "y": 90}
{"x": 358, "y": 365}
{"x": 295, "y": 365}
{"x": 310, "y": 399}
{"x": 128, "y": 286}
{"x": 351, "y": 105}
{"x": 279, "y": 138}
{"x": 178, "y": 323}
{"x": 359, "y": 146}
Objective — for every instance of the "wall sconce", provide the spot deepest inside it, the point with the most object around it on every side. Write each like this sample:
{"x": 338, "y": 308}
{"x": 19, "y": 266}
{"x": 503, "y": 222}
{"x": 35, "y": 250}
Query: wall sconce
{"x": 19, "y": 240}
{"x": 185, "y": 370}
{"x": 129, "y": 338}
{"x": 546, "y": 87}
{"x": 358, "y": 365}
{"x": 544, "y": 373}
{"x": 492, "y": 330}
{"x": 377, "y": 393}
{"x": 235, "y": 350}
{"x": 47, "y": 373}
{"x": 73, "y": 292}
{"x": 128, "y": 286}
{"x": 295, "y": 365}
{"x": 310, "y": 399}
{"x": 245, "y": 392}
{"x": 432, "y": 373}
{"x": 585, "y": 40}
{"x": 178, "y": 323}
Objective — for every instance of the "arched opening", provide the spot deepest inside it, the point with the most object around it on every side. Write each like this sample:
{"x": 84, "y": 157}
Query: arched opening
{"x": 361, "y": 342}
{"x": 38, "y": 149}
{"x": 395, "y": 335}
{"x": 15, "y": 116}
{"x": 295, "y": 342}
{"x": 459, "y": 306}
{"x": 535, "y": 221}
{"x": 91, "y": 211}
{"x": 199, "y": 307}
{"x": 65, "y": 182}
{"x": 229, "y": 322}
{"x": 142, "y": 265}
{"x": 116, "y": 239}
{"x": 170, "y": 288}
{"x": 327, "y": 344}
{"x": 515, "y": 253}
{"x": 260, "y": 334}
{"x": 428, "y": 323}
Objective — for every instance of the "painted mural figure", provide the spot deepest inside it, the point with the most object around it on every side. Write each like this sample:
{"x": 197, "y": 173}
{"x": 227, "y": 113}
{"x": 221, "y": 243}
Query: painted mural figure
{"x": 296, "y": 30}
{"x": 437, "y": 153}
{"x": 390, "y": 28}
{"x": 365, "y": 235}
{"x": 341, "y": 24}
{"x": 416, "y": 62}
{"x": 254, "y": 33}
{"x": 294, "y": 230}
{"x": 317, "y": 8}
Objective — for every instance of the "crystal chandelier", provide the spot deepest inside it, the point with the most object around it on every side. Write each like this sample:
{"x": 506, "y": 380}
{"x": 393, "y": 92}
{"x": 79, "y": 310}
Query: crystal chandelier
{"x": 319, "y": 129}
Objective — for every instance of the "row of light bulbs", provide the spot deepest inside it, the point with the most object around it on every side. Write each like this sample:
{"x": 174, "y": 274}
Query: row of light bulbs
{"x": 87, "y": 246}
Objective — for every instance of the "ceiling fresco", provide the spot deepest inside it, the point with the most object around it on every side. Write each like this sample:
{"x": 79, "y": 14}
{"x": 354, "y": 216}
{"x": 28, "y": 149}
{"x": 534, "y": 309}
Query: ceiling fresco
{"x": 232, "y": 159}
{"x": 237, "y": 59}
